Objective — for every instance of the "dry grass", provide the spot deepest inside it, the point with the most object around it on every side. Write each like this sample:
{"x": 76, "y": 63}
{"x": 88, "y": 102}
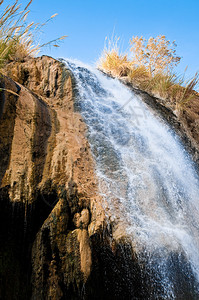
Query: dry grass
{"x": 138, "y": 74}
{"x": 114, "y": 63}
{"x": 183, "y": 92}
{"x": 172, "y": 88}
{"x": 17, "y": 38}
{"x": 160, "y": 84}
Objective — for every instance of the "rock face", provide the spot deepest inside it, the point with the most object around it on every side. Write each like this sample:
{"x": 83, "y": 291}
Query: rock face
{"x": 53, "y": 242}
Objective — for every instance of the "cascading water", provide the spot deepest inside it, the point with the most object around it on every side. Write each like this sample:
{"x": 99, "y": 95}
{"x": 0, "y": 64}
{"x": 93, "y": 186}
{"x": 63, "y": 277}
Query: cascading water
{"x": 147, "y": 179}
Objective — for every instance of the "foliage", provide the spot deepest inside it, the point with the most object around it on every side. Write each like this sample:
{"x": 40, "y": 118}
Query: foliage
{"x": 156, "y": 54}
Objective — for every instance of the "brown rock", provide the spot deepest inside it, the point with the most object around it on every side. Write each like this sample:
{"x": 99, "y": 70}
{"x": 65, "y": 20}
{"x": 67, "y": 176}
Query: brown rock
{"x": 54, "y": 242}
{"x": 47, "y": 173}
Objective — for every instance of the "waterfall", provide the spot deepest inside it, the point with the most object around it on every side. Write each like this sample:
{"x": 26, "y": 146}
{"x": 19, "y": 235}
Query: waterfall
{"x": 147, "y": 179}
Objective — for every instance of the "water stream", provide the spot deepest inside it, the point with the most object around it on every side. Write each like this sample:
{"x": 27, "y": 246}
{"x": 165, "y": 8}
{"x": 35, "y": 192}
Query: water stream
{"x": 147, "y": 179}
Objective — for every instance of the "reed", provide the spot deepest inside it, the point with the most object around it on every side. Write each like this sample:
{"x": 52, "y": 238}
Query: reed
{"x": 115, "y": 63}
{"x": 112, "y": 61}
{"x": 17, "y": 38}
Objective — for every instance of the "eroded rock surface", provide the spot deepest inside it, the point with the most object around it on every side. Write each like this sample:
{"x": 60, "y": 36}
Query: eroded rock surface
{"x": 54, "y": 242}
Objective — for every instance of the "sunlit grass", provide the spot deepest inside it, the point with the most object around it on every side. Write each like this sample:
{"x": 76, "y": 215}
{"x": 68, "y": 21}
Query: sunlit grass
{"x": 17, "y": 38}
{"x": 184, "y": 91}
{"x": 117, "y": 65}
{"x": 160, "y": 84}
{"x": 167, "y": 85}
{"x": 138, "y": 74}
{"x": 112, "y": 61}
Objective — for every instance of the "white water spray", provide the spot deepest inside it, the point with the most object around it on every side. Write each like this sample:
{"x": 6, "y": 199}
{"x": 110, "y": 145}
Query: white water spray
{"x": 145, "y": 175}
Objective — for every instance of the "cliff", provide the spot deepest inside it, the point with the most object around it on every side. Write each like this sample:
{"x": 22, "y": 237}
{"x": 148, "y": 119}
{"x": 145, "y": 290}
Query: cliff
{"x": 53, "y": 242}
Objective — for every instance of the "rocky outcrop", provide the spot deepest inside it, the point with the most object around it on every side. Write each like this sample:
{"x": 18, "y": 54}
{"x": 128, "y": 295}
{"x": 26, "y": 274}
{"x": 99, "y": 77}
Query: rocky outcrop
{"x": 54, "y": 241}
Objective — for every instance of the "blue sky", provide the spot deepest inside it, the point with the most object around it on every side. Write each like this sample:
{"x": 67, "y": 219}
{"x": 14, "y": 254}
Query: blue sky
{"x": 88, "y": 22}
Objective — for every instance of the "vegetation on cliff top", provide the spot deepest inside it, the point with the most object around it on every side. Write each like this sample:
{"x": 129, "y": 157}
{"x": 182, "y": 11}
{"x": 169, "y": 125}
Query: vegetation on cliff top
{"x": 149, "y": 67}
{"x": 17, "y": 37}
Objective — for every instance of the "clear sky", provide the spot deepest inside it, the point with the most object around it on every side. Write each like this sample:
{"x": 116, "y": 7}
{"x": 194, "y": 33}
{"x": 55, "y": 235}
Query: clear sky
{"x": 88, "y": 22}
